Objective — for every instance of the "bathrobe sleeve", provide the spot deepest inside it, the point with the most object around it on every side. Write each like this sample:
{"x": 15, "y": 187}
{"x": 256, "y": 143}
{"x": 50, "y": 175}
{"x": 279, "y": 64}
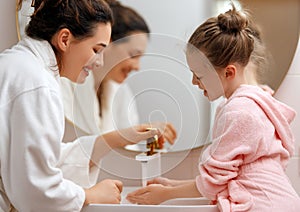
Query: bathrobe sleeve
{"x": 126, "y": 111}
{"x": 120, "y": 109}
{"x": 236, "y": 140}
{"x": 33, "y": 181}
{"x": 75, "y": 159}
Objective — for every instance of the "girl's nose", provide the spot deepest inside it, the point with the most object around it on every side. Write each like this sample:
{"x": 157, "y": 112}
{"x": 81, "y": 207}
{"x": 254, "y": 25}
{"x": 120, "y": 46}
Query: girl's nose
{"x": 135, "y": 64}
{"x": 194, "y": 80}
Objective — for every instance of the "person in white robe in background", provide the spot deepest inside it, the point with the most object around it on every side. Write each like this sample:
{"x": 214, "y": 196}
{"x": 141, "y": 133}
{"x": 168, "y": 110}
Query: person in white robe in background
{"x": 38, "y": 172}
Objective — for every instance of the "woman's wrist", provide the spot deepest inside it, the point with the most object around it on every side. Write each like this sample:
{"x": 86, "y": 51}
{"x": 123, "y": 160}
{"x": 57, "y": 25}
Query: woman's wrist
{"x": 115, "y": 139}
{"x": 86, "y": 200}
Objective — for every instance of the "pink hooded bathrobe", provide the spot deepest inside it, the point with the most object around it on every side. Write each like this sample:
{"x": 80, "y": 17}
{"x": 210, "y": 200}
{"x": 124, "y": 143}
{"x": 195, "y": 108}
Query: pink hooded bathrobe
{"x": 244, "y": 167}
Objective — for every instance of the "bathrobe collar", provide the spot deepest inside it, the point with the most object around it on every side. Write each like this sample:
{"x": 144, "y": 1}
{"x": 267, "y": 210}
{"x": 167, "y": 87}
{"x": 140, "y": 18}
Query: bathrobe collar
{"x": 44, "y": 54}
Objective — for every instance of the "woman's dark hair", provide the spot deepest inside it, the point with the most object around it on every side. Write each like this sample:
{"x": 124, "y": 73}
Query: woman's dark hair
{"x": 126, "y": 21}
{"x": 225, "y": 39}
{"x": 79, "y": 16}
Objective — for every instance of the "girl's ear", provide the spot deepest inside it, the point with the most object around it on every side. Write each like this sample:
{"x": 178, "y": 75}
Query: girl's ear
{"x": 62, "y": 39}
{"x": 230, "y": 72}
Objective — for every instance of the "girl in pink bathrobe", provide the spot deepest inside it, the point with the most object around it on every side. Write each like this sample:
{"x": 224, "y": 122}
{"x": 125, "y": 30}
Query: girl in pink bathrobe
{"x": 244, "y": 167}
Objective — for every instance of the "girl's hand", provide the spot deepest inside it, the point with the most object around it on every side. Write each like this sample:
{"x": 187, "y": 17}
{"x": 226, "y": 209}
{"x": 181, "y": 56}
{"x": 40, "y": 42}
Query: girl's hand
{"x": 162, "y": 181}
{"x": 153, "y": 194}
{"x": 169, "y": 182}
{"x": 156, "y": 193}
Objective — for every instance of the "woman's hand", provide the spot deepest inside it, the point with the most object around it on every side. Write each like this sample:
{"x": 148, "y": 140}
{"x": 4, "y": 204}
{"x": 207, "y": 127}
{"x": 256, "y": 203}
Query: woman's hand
{"x": 167, "y": 131}
{"x": 158, "y": 193}
{"x": 153, "y": 194}
{"x": 133, "y": 135}
{"x": 120, "y": 138}
{"x": 104, "y": 192}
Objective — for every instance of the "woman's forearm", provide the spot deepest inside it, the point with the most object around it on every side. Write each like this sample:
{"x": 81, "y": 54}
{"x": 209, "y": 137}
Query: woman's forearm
{"x": 104, "y": 144}
{"x": 120, "y": 138}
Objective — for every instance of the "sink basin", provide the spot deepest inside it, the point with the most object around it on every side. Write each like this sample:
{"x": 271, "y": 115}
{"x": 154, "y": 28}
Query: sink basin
{"x": 187, "y": 201}
{"x": 173, "y": 205}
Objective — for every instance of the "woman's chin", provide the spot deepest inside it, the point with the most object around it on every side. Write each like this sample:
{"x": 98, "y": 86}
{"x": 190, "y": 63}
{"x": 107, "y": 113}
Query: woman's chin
{"x": 119, "y": 80}
{"x": 80, "y": 81}
{"x": 82, "y": 77}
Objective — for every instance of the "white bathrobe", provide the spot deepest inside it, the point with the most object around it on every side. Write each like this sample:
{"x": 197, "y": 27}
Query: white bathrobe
{"x": 35, "y": 164}
{"x": 82, "y": 108}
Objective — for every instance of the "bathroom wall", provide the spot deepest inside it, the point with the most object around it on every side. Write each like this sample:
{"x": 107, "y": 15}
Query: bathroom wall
{"x": 288, "y": 93}
{"x": 280, "y": 38}
{"x": 8, "y": 32}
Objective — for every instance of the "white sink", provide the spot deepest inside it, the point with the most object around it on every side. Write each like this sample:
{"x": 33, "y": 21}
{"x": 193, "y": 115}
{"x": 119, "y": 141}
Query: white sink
{"x": 173, "y": 205}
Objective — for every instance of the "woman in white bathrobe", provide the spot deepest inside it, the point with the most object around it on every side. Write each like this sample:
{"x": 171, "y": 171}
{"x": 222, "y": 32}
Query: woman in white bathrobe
{"x": 105, "y": 102}
{"x": 35, "y": 164}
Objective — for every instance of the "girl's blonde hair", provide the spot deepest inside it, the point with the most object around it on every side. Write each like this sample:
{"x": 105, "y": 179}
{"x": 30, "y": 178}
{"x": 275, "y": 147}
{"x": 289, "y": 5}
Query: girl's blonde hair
{"x": 225, "y": 39}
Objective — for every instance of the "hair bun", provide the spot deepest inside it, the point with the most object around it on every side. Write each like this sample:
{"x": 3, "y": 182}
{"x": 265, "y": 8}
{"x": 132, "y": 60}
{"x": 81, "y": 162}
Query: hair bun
{"x": 233, "y": 21}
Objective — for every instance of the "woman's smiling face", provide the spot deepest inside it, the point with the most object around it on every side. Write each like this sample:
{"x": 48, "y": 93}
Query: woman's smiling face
{"x": 79, "y": 53}
{"x": 124, "y": 56}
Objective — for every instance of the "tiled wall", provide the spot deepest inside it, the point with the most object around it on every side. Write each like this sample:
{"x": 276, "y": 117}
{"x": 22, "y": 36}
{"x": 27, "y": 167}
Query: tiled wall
{"x": 289, "y": 93}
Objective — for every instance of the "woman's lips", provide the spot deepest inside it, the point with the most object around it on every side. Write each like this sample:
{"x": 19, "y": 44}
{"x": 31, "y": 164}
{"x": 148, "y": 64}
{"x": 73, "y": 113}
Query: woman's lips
{"x": 125, "y": 72}
{"x": 86, "y": 70}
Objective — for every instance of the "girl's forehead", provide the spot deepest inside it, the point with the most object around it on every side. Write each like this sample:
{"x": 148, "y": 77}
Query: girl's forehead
{"x": 198, "y": 62}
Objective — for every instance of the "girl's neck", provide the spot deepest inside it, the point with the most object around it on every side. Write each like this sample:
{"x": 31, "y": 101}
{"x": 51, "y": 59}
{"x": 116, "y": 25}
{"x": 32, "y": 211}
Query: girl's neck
{"x": 234, "y": 84}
